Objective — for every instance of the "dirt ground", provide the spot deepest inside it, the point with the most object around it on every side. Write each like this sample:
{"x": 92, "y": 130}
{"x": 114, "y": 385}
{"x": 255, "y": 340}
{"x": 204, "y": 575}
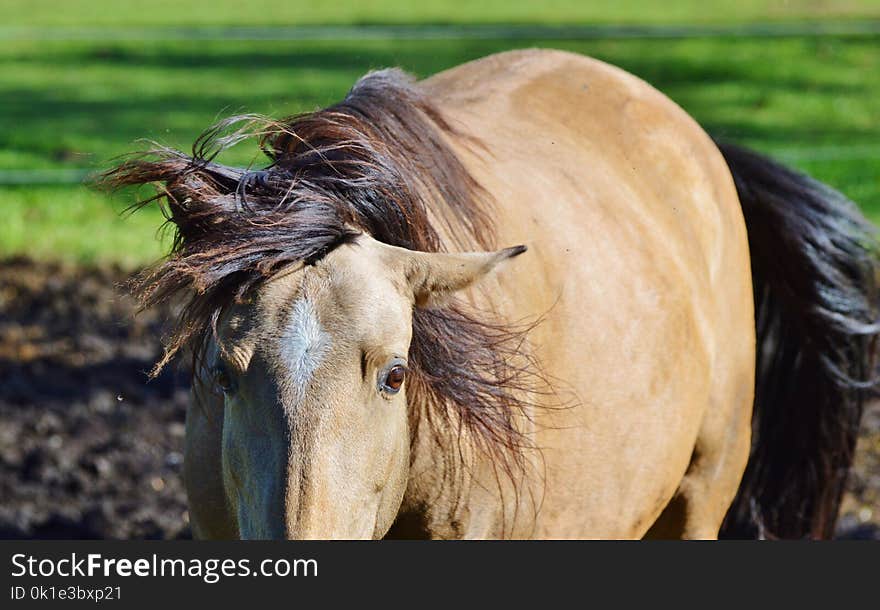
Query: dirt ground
{"x": 90, "y": 449}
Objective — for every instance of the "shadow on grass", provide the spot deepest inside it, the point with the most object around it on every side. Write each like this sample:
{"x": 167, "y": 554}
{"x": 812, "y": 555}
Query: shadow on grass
{"x": 734, "y": 91}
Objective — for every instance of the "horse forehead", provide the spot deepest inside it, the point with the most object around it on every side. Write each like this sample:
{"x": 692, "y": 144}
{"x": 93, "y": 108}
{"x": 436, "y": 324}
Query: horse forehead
{"x": 304, "y": 345}
{"x": 303, "y": 329}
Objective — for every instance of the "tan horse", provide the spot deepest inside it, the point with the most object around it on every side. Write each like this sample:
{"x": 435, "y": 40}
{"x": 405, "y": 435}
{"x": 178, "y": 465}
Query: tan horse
{"x": 359, "y": 377}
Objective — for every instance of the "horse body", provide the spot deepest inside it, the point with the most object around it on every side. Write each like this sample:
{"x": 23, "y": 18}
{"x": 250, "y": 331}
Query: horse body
{"x": 638, "y": 255}
{"x": 639, "y": 270}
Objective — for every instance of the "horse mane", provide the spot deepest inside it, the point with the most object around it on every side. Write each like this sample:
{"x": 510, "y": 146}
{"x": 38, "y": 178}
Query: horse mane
{"x": 377, "y": 162}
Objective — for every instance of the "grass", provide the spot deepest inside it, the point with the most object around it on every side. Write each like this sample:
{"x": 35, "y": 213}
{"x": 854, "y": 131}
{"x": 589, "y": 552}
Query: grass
{"x": 74, "y": 224}
{"x": 810, "y": 101}
{"x": 271, "y": 12}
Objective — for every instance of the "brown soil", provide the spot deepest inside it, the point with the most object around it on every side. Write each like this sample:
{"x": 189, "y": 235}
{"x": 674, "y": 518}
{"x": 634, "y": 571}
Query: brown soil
{"x": 89, "y": 448}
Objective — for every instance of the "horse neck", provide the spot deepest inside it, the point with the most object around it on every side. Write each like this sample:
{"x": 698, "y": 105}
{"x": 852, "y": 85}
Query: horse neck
{"x": 457, "y": 491}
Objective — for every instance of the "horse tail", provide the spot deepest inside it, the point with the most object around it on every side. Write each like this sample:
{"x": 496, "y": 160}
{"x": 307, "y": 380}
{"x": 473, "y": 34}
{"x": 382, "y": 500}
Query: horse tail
{"x": 815, "y": 277}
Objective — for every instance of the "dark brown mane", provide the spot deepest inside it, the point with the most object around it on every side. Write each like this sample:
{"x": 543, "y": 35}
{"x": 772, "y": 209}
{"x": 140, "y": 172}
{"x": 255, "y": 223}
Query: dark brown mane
{"x": 376, "y": 162}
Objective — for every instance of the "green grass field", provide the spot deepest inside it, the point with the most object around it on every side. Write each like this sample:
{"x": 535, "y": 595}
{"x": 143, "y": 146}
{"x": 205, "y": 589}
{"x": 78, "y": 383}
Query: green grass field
{"x": 812, "y": 102}
{"x": 42, "y": 13}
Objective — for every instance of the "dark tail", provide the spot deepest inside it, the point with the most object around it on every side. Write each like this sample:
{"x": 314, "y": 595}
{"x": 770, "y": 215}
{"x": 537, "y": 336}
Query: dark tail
{"x": 815, "y": 275}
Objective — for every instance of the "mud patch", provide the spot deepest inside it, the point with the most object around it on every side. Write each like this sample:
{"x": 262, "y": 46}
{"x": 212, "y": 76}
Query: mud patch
{"x": 88, "y": 447}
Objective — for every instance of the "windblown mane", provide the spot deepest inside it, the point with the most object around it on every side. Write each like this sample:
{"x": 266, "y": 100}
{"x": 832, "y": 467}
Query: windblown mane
{"x": 377, "y": 162}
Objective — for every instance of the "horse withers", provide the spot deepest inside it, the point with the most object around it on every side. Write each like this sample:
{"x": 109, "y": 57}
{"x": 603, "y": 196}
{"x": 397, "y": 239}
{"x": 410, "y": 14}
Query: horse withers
{"x": 683, "y": 350}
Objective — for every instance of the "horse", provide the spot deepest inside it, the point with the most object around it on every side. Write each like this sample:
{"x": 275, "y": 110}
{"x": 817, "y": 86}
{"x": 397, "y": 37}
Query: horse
{"x": 527, "y": 297}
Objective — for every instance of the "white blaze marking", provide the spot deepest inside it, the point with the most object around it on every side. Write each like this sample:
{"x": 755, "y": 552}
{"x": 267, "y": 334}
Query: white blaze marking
{"x": 303, "y": 346}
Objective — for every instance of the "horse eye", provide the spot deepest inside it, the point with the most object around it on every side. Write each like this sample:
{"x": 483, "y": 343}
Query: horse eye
{"x": 223, "y": 380}
{"x": 393, "y": 380}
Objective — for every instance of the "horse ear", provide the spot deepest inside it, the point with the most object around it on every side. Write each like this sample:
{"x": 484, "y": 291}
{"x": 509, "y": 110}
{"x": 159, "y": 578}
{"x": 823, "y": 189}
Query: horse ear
{"x": 433, "y": 277}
